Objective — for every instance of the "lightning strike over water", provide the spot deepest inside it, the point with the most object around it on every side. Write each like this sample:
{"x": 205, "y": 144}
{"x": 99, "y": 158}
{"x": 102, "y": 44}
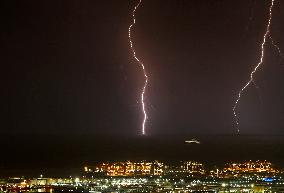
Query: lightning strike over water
{"x": 142, "y": 66}
{"x": 251, "y": 80}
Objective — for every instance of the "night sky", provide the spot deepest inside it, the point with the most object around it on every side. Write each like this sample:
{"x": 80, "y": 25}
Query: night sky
{"x": 67, "y": 70}
{"x": 67, "y": 67}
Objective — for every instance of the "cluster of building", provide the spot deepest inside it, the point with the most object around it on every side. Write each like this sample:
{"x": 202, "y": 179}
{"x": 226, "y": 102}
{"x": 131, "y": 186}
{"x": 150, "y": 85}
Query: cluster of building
{"x": 127, "y": 168}
{"x": 155, "y": 176}
{"x": 183, "y": 169}
{"x": 250, "y": 166}
{"x": 21, "y": 184}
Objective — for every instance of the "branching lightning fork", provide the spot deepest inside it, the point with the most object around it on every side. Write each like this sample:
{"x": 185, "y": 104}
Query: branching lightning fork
{"x": 142, "y": 66}
{"x": 251, "y": 80}
{"x": 276, "y": 46}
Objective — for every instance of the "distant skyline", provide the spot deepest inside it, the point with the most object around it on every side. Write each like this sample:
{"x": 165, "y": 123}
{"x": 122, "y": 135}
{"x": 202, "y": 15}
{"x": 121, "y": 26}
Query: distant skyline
{"x": 67, "y": 67}
{"x": 71, "y": 151}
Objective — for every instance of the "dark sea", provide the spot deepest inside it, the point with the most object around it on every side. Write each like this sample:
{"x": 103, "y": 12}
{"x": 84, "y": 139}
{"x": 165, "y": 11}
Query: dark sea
{"x": 65, "y": 155}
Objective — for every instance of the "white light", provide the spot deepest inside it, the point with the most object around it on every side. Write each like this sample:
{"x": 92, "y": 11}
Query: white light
{"x": 142, "y": 66}
{"x": 251, "y": 80}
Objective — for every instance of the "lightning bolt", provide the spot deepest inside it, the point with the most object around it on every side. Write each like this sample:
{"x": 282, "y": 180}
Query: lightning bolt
{"x": 276, "y": 46}
{"x": 251, "y": 80}
{"x": 141, "y": 65}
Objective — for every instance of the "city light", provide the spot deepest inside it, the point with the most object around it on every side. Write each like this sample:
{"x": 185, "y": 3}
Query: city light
{"x": 156, "y": 176}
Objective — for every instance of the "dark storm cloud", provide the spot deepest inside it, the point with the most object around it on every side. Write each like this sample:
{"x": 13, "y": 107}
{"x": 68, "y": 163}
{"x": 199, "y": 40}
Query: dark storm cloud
{"x": 67, "y": 67}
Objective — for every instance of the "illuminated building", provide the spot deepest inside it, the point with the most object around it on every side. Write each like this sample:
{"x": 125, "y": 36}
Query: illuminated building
{"x": 186, "y": 168}
{"x": 126, "y": 169}
{"x": 192, "y": 167}
{"x": 254, "y": 167}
